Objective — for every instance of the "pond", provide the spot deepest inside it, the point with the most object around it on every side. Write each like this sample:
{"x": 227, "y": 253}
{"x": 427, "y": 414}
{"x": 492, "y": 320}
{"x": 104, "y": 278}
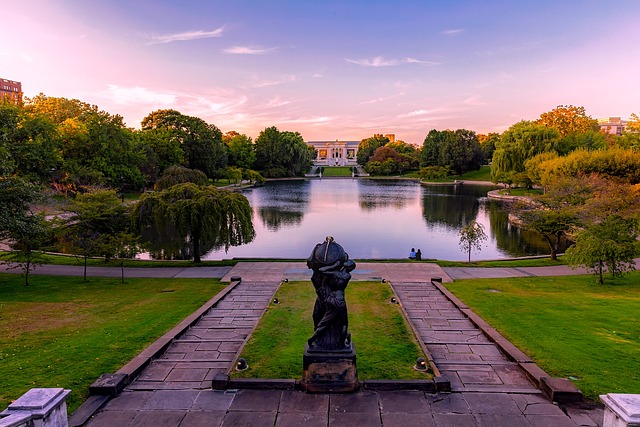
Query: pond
{"x": 373, "y": 219}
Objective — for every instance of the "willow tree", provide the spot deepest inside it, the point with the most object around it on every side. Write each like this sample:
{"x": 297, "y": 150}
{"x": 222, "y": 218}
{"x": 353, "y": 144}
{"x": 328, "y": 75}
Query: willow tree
{"x": 198, "y": 214}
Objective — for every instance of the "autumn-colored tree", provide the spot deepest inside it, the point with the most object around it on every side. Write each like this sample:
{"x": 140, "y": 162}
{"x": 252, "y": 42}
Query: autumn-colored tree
{"x": 568, "y": 119}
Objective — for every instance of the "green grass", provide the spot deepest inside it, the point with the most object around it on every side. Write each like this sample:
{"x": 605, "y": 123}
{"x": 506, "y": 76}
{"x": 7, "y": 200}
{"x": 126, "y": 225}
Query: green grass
{"x": 57, "y": 259}
{"x": 522, "y": 192}
{"x": 60, "y": 332}
{"x": 385, "y": 346}
{"x": 483, "y": 174}
{"x": 570, "y": 326}
{"x": 336, "y": 171}
{"x": 507, "y": 263}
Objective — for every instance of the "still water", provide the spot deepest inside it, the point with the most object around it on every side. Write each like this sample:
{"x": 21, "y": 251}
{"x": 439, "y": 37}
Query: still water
{"x": 377, "y": 219}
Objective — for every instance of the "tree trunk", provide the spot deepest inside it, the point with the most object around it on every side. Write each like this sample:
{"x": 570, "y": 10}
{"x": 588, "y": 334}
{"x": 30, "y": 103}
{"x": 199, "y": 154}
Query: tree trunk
{"x": 196, "y": 248}
{"x": 601, "y": 280}
{"x": 84, "y": 277}
{"x": 122, "y": 272}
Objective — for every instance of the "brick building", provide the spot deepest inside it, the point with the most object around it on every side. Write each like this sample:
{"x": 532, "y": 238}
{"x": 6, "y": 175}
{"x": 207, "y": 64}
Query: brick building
{"x": 11, "y": 89}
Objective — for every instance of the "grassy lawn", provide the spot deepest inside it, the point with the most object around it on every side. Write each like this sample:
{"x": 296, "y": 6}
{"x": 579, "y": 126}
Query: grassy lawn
{"x": 507, "y": 263}
{"x": 483, "y": 174}
{"x": 138, "y": 263}
{"x": 385, "y": 346}
{"x": 60, "y": 332}
{"x": 570, "y": 326}
{"x": 522, "y": 192}
{"x": 336, "y": 171}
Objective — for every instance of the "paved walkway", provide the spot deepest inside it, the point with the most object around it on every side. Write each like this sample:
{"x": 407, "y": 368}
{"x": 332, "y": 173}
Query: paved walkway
{"x": 488, "y": 390}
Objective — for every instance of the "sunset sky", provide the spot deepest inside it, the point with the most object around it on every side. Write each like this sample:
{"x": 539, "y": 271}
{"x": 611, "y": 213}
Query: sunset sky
{"x": 330, "y": 69}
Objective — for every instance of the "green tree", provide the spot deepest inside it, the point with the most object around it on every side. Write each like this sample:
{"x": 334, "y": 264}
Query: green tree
{"x": 16, "y": 197}
{"x": 457, "y": 150}
{"x": 27, "y": 240}
{"x": 197, "y": 214}
{"x": 368, "y": 147}
{"x": 471, "y": 237}
{"x": 608, "y": 246}
{"x": 241, "y": 150}
{"x": 120, "y": 247}
{"x": 175, "y": 175}
{"x": 488, "y": 144}
{"x": 519, "y": 143}
{"x": 95, "y": 218}
{"x": 201, "y": 142}
{"x": 281, "y": 154}
{"x": 166, "y": 150}
{"x": 552, "y": 224}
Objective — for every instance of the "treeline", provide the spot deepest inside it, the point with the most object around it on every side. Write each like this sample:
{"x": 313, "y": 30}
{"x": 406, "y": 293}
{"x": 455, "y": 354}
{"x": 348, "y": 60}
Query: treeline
{"x": 74, "y": 145}
{"x": 563, "y": 140}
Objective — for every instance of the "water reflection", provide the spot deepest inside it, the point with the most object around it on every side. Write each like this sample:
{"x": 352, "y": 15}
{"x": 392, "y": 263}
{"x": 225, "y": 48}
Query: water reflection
{"x": 282, "y": 203}
{"x": 375, "y": 194}
{"x": 166, "y": 244}
{"x": 451, "y": 206}
{"x": 372, "y": 219}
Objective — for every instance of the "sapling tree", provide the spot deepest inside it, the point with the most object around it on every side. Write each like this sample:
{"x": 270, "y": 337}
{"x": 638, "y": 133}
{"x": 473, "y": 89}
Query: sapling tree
{"x": 471, "y": 237}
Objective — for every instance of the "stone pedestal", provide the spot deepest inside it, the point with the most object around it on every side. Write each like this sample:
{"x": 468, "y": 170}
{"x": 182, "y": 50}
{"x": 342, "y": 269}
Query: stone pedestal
{"x": 39, "y": 407}
{"x": 621, "y": 410}
{"x": 330, "y": 371}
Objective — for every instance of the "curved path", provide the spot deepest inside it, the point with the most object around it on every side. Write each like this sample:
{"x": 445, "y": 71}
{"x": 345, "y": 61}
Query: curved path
{"x": 488, "y": 389}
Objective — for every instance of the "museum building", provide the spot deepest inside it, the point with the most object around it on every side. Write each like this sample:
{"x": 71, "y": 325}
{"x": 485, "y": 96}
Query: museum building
{"x": 338, "y": 153}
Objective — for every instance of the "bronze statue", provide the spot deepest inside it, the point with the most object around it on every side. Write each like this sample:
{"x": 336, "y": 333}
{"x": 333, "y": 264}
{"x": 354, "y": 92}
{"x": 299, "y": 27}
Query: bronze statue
{"x": 331, "y": 274}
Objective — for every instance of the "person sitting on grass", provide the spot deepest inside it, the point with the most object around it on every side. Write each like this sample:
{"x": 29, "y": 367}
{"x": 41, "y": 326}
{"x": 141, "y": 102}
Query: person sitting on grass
{"x": 418, "y": 255}
{"x": 412, "y": 254}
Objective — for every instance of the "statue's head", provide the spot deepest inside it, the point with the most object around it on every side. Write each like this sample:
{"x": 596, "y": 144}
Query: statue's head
{"x": 327, "y": 253}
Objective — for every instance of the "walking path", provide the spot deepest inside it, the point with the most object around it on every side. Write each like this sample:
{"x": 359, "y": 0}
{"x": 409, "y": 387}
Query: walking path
{"x": 487, "y": 388}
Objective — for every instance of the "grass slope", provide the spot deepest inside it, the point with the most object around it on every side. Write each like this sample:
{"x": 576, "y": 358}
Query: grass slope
{"x": 336, "y": 171}
{"x": 570, "y": 326}
{"x": 60, "y": 332}
{"x": 385, "y": 346}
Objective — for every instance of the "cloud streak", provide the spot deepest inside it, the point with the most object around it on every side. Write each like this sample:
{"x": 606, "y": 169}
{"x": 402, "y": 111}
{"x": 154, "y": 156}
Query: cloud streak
{"x": 380, "y": 61}
{"x": 246, "y": 50}
{"x": 452, "y": 32}
{"x": 185, "y": 36}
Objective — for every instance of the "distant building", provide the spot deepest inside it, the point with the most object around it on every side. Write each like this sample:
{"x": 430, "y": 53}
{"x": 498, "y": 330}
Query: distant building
{"x": 11, "y": 89}
{"x": 339, "y": 153}
{"x": 335, "y": 153}
{"x": 612, "y": 125}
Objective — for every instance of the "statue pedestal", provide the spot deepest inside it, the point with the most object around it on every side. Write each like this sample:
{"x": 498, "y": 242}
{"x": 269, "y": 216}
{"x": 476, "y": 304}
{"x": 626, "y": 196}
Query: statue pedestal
{"x": 329, "y": 371}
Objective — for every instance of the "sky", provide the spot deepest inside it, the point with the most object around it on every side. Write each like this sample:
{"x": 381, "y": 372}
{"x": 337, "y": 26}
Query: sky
{"x": 330, "y": 69}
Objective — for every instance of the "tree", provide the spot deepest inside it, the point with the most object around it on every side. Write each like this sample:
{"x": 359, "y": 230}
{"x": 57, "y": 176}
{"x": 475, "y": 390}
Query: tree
{"x": 201, "y": 142}
{"x": 241, "y": 150}
{"x": 27, "y": 240}
{"x": 457, "y": 150}
{"x": 281, "y": 154}
{"x": 175, "y": 175}
{"x": 606, "y": 246}
{"x": 95, "y": 218}
{"x": 122, "y": 246}
{"x": 568, "y": 119}
{"x": 197, "y": 214}
{"x": 368, "y": 146}
{"x": 552, "y": 224}
{"x": 488, "y": 144}
{"x": 471, "y": 237}
{"x": 519, "y": 143}
{"x": 16, "y": 197}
